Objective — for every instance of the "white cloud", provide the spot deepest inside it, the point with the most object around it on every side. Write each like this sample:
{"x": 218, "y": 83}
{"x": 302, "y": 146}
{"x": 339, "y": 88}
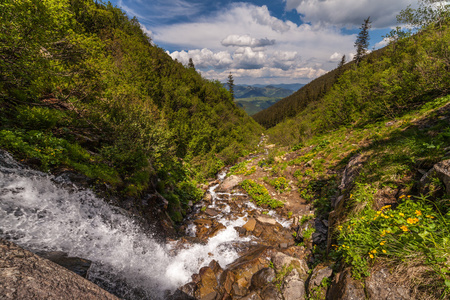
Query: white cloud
{"x": 246, "y": 41}
{"x": 335, "y": 56}
{"x": 242, "y": 39}
{"x": 349, "y": 13}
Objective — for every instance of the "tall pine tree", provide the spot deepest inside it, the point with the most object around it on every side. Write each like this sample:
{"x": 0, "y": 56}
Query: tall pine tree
{"x": 362, "y": 41}
{"x": 231, "y": 85}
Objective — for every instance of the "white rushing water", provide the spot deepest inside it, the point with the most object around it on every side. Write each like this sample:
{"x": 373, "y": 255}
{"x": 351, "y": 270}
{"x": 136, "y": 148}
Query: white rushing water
{"x": 40, "y": 215}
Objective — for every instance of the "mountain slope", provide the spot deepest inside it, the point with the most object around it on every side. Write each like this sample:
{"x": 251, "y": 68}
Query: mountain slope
{"x": 84, "y": 88}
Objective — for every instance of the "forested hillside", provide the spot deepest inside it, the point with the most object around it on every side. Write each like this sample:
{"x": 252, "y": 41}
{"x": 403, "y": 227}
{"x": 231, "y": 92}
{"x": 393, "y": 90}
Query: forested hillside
{"x": 407, "y": 73}
{"x": 83, "y": 87}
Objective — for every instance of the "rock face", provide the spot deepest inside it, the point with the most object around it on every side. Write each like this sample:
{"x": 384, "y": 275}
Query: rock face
{"x": 25, "y": 275}
{"x": 440, "y": 170}
{"x": 351, "y": 170}
{"x": 344, "y": 287}
{"x": 381, "y": 286}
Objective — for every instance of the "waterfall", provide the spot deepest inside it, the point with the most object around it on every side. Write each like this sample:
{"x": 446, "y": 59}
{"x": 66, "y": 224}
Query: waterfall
{"x": 39, "y": 214}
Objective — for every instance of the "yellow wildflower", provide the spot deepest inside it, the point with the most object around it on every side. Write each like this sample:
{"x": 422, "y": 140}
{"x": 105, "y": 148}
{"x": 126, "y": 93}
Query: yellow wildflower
{"x": 340, "y": 227}
{"x": 384, "y": 251}
{"x": 404, "y": 228}
{"x": 412, "y": 220}
{"x": 428, "y": 216}
{"x": 402, "y": 196}
{"x": 418, "y": 213}
{"x": 371, "y": 256}
{"x": 382, "y": 243}
{"x": 409, "y": 196}
{"x": 374, "y": 251}
{"x": 351, "y": 196}
{"x": 401, "y": 214}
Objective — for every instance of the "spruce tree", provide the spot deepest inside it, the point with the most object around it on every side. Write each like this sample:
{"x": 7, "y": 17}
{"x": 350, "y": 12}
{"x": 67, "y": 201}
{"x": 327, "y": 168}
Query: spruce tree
{"x": 342, "y": 62}
{"x": 231, "y": 85}
{"x": 362, "y": 41}
{"x": 191, "y": 64}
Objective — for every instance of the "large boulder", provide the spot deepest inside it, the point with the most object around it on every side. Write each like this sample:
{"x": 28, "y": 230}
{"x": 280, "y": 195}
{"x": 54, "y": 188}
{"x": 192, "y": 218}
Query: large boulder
{"x": 229, "y": 183}
{"x": 25, "y": 275}
{"x": 317, "y": 288}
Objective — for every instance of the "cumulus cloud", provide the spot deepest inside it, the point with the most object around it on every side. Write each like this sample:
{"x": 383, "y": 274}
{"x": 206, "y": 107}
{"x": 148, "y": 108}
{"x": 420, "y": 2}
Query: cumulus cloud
{"x": 349, "y": 13}
{"x": 246, "y": 41}
{"x": 262, "y": 16}
{"x": 255, "y": 46}
{"x": 335, "y": 56}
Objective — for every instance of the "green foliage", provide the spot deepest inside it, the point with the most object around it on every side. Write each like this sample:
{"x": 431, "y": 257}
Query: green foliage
{"x": 386, "y": 84}
{"x": 82, "y": 83}
{"x": 414, "y": 230}
{"x": 281, "y": 184}
{"x": 259, "y": 194}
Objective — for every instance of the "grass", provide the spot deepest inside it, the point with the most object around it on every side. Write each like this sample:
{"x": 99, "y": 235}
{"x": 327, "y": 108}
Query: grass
{"x": 259, "y": 194}
{"x": 413, "y": 230}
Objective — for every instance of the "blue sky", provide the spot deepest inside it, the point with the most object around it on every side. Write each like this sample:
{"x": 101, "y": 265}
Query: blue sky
{"x": 262, "y": 41}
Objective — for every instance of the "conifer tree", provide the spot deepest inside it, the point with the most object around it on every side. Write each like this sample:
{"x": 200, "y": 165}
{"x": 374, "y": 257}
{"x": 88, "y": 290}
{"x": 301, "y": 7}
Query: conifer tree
{"x": 362, "y": 41}
{"x": 342, "y": 62}
{"x": 231, "y": 85}
{"x": 191, "y": 64}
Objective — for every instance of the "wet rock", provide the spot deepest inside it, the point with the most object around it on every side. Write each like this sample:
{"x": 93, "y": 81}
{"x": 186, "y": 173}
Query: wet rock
{"x": 344, "y": 287}
{"x": 229, "y": 183}
{"x": 316, "y": 289}
{"x": 380, "y": 285}
{"x": 211, "y": 212}
{"x": 186, "y": 292}
{"x": 273, "y": 235}
{"x": 216, "y": 268}
{"x": 266, "y": 220}
{"x": 293, "y": 286}
{"x": 208, "y": 197}
{"x": 206, "y": 287}
{"x": 250, "y": 225}
{"x": 261, "y": 278}
{"x": 25, "y": 275}
{"x": 75, "y": 264}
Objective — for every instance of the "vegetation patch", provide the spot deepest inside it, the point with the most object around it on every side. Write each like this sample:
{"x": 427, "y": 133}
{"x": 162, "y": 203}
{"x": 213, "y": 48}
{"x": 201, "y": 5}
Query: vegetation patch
{"x": 259, "y": 194}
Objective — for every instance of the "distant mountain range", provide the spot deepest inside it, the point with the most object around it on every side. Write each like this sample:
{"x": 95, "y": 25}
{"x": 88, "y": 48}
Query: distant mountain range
{"x": 257, "y": 97}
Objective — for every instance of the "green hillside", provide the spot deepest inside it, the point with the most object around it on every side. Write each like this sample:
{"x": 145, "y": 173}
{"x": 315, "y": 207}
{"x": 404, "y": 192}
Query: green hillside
{"x": 83, "y": 88}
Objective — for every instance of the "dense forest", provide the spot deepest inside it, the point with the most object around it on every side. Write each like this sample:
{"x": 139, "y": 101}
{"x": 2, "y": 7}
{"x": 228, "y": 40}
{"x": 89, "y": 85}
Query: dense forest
{"x": 83, "y": 87}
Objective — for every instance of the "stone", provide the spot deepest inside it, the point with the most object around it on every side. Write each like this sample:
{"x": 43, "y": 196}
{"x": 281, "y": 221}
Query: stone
{"x": 261, "y": 278}
{"x": 252, "y": 296}
{"x": 443, "y": 173}
{"x": 25, "y": 275}
{"x": 281, "y": 260}
{"x": 266, "y": 220}
{"x": 229, "y": 183}
{"x": 351, "y": 170}
{"x": 75, "y": 264}
{"x": 380, "y": 285}
{"x": 344, "y": 287}
{"x": 207, "y": 197}
{"x": 293, "y": 286}
{"x": 315, "y": 288}
{"x": 207, "y": 284}
{"x": 211, "y": 212}
{"x": 250, "y": 225}
{"x": 270, "y": 292}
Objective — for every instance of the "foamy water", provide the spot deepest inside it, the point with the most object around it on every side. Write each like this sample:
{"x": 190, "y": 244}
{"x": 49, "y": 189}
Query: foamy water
{"x": 40, "y": 215}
